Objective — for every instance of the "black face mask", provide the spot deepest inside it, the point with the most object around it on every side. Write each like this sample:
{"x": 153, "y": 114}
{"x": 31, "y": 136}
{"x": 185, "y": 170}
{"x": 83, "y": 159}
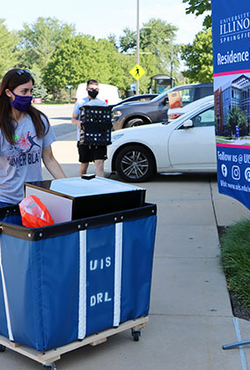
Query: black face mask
{"x": 93, "y": 93}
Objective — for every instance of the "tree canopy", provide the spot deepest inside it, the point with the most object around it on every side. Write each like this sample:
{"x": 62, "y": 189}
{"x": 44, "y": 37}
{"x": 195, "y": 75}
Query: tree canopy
{"x": 8, "y": 43}
{"x": 198, "y": 58}
{"x": 156, "y": 39}
{"x": 58, "y": 56}
{"x": 80, "y": 58}
{"x": 237, "y": 117}
{"x": 39, "y": 40}
{"x": 199, "y": 7}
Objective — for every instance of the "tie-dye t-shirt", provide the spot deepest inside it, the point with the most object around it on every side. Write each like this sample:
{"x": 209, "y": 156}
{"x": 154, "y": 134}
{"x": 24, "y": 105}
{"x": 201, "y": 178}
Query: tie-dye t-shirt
{"x": 21, "y": 162}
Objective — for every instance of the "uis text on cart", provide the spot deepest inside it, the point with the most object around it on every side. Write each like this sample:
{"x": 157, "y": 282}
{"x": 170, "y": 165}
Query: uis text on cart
{"x": 96, "y": 265}
{"x": 100, "y": 264}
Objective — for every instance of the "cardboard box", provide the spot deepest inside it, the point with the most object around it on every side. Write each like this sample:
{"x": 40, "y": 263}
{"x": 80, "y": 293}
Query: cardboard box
{"x": 175, "y": 99}
{"x": 75, "y": 198}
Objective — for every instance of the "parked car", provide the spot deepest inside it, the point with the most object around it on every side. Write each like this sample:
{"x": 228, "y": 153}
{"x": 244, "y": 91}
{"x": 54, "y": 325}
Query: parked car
{"x": 141, "y": 97}
{"x": 155, "y": 110}
{"x": 186, "y": 144}
{"x": 177, "y": 112}
{"x": 108, "y": 93}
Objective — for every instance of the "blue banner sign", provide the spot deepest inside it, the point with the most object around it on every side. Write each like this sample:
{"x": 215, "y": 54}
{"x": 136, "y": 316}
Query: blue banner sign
{"x": 231, "y": 61}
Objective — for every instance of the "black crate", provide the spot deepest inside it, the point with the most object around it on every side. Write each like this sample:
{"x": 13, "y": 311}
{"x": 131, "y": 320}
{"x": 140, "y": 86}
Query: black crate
{"x": 96, "y": 125}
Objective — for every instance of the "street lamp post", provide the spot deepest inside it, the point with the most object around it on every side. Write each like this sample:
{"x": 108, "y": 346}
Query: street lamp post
{"x": 171, "y": 60}
{"x": 137, "y": 46}
{"x": 171, "y": 64}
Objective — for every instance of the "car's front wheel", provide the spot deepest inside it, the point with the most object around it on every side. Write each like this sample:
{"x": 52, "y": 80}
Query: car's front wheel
{"x": 135, "y": 163}
{"x": 134, "y": 122}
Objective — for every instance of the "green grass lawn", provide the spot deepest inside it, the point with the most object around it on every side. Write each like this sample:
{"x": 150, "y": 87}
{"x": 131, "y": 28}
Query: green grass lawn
{"x": 235, "y": 259}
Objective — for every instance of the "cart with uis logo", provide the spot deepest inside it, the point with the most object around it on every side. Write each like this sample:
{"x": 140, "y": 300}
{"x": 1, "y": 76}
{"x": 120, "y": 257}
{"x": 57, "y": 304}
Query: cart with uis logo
{"x": 76, "y": 282}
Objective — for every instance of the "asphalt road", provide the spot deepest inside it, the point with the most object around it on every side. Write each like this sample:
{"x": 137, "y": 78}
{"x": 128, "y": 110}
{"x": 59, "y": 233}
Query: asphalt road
{"x": 60, "y": 118}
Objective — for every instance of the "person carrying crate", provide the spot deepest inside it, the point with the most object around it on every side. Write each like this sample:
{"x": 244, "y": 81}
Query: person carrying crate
{"x": 89, "y": 153}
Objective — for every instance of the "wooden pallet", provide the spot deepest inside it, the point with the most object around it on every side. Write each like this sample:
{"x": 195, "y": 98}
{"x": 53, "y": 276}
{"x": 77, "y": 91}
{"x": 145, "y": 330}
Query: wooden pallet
{"x": 50, "y": 356}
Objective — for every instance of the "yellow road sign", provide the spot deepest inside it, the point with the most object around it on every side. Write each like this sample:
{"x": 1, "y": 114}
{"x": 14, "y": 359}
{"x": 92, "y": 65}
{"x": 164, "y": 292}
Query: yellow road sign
{"x": 137, "y": 72}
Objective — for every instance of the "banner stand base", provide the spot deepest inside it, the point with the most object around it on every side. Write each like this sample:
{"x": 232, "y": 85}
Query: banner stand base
{"x": 236, "y": 344}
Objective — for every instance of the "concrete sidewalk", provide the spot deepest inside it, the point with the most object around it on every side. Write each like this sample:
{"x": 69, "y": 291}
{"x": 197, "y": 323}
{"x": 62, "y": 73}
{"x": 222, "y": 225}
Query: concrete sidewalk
{"x": 190, "y": 301}
{"x": 190, "y": 316}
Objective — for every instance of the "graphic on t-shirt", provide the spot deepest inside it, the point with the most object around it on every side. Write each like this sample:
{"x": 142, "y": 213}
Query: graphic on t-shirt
{"x": 24, "y": 152}
{"x": 32, "y": 142}
{"x": 26, "y": 144}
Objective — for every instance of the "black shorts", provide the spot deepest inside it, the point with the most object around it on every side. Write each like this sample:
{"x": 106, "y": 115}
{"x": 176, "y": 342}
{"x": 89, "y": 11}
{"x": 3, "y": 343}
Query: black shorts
{"x": 90, "y": 153}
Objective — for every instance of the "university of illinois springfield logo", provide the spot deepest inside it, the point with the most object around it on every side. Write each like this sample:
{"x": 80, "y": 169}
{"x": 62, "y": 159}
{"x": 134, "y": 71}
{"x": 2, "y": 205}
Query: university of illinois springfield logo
{"x": 235, "y": 27}
{"x": 26, "y": 150}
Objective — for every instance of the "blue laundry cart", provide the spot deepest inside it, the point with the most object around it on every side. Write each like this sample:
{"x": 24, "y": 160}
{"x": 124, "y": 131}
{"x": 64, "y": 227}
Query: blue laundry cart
{"x": 75, "y": 282}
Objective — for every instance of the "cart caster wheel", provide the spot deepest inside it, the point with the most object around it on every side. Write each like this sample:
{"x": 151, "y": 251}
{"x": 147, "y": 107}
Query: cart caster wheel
{"x": 2, "y": 348}
{"x": 136, "y": 335}
{"x": 51, "y": 366}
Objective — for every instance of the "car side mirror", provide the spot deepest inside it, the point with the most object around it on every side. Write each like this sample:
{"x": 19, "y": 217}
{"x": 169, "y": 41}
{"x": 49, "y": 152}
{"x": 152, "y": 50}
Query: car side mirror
{"x": 188, "y": 124}
{"x": 166, "y": 101}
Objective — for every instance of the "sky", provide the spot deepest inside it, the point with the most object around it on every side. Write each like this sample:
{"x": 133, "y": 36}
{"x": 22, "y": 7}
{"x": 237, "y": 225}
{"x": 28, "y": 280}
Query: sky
{"x": 101, "y": 18}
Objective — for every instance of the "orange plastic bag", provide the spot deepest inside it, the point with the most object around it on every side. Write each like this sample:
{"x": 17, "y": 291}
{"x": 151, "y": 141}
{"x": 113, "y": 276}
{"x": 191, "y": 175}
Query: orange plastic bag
{"x": 34, "y": 213}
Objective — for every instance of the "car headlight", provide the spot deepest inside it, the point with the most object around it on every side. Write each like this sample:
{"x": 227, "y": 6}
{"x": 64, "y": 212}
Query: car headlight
{"x": 116, "y": 113}
{"x": 116, "y": 137}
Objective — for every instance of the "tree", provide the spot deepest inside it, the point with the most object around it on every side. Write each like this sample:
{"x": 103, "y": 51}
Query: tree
{"x": 198, "y": 57}
{"x": 80, "y": 58}
{"x": 157, "y": 36}
{"x": 112, "y": 39}
{"x": 127, "y": 62}
{"x": 8, "y": 43}
{"x": 149, "y": 63}
{"x": 156, "y": 43}
{"x": 40, "y": 39}
{"x": 199, "y": 7}
{"x": 108, "y": 69}
{"x": 237, "y": 117}
{"x": 39, "y": 91}
{"x": 127, "y": 41}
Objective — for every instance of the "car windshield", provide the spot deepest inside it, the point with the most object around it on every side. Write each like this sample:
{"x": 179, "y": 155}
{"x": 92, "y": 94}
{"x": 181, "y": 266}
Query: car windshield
{"x": 162, "y": 95}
